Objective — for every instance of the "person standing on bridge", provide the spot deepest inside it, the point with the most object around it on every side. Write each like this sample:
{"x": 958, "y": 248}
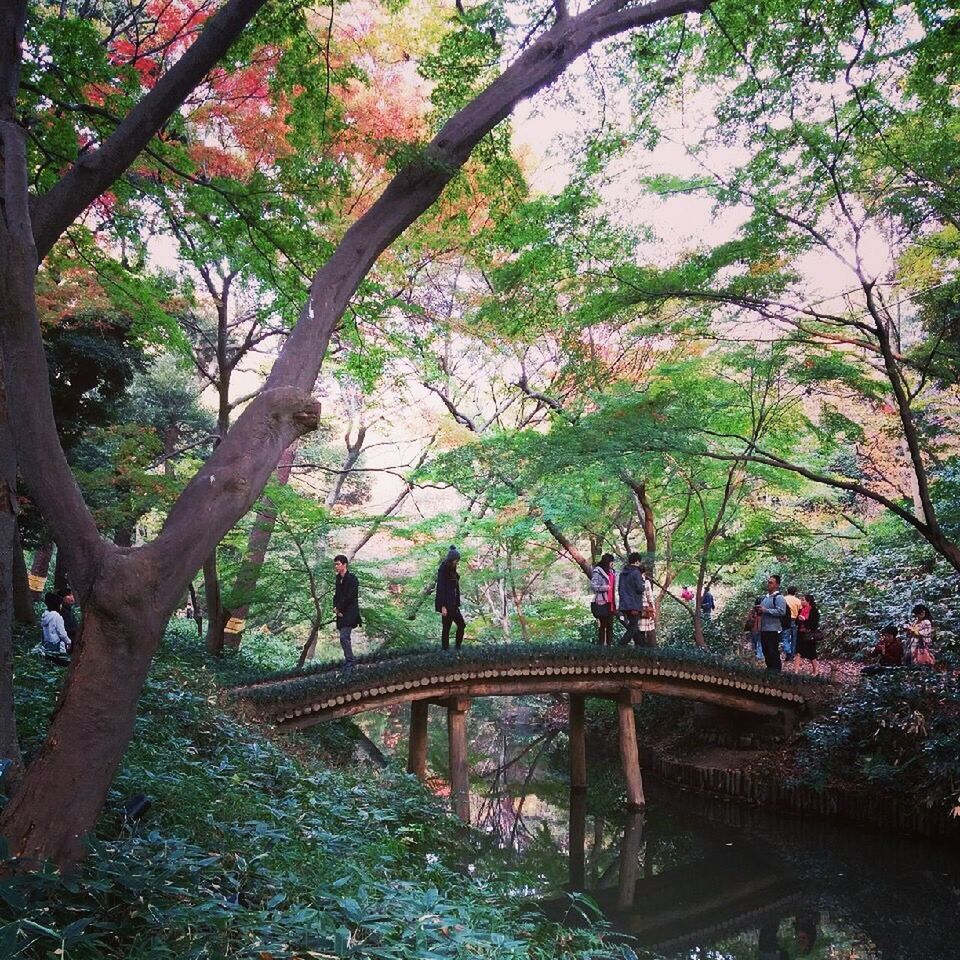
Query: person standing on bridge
{"x": 448, "y": 599}
{"x": 346, "y": 604}
{"x": 603, "y": 582}
{"x": 637, "y": 603}
{"x": 772, "y": 610}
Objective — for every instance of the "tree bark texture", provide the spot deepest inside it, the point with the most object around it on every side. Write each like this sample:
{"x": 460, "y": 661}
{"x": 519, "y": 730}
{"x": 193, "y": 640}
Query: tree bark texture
{"x": 9, "y": 547}
{"x": 417, "y": 747}
{"x": 128, "y": 594}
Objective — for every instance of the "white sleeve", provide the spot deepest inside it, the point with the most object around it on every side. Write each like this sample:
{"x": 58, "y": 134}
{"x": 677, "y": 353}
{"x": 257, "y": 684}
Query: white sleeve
{"x": 60, "y": 629}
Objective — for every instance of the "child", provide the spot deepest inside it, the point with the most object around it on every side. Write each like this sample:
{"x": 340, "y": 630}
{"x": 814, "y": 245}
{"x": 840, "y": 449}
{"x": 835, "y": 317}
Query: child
{"x": 889, "y": 649}
{"x": 921, "y": 633}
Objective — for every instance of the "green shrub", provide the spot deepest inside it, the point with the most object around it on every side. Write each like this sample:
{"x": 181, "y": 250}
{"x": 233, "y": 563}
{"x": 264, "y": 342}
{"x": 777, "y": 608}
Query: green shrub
{"x": 896, "y": 732}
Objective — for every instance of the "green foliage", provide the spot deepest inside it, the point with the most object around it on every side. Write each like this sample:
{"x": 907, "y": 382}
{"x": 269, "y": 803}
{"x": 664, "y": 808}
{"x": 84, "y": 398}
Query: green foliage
{"x": 248, "y": 852}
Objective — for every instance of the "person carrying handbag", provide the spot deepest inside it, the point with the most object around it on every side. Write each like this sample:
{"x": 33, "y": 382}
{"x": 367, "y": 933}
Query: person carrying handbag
{"x": 636, "y": 604}
{"x": 922, "y": 635}
{"x": 603, "y": 582}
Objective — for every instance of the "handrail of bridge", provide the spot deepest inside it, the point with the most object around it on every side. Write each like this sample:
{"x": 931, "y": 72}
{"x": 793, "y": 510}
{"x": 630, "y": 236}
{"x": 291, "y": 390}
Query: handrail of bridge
{"x": 410, "y": 666}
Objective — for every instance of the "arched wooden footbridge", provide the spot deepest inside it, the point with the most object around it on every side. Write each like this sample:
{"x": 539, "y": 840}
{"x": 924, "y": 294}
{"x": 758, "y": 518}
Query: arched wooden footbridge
{"x": 421, "y": 676}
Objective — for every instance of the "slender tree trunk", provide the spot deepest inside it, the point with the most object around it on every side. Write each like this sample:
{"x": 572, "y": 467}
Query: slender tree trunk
{"x": 23, "y": 609}
{"x": 517, "y": 601}
{"x": 257, "y": 545}
{"x": 39, "y": 568}
{"x": 354, "y": 449}
{"x": 575, "y": 555}
{"x": 60, "y": 573}
{"x": 311, "y": 645}
{"x": 211, "y": 596}
{"x": 698, "y": 637}
{"x": 211, "y": 575}
{"x": 197, "y": 612}
{"x": 171, "y": 437}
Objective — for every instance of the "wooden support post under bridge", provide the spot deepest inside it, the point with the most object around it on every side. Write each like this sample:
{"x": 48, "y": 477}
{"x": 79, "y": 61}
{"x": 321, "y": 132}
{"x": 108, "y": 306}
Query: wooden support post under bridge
{"x": 417, "y": 748}
{"x": 578, "y": 747}
{"x": 578, "y": 838}
{"x": 459, "y": 773}
{"x": 629, "y": 755}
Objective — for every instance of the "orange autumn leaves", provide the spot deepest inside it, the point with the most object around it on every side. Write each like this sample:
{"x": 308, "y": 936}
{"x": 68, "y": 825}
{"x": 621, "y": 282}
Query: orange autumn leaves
{"x": 237, "y": 121}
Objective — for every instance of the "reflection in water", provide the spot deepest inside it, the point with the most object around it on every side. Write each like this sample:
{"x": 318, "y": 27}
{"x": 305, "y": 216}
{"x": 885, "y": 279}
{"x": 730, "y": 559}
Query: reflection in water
{"x": 698, "y": 879}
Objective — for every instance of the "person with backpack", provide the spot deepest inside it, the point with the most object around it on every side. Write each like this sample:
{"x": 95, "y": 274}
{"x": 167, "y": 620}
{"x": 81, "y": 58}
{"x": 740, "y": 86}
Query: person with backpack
{"x": 603, "y": 583}
{"x": 791, "y": 628}
{"x": 447, "y": 600}
{"x": 773, "y": 611}
{"x": 54, "y": 638}
{"x": 707, "y": 604}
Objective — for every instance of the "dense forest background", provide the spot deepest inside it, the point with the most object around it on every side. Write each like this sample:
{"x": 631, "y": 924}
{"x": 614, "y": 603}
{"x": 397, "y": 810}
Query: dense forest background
{"x": 696, "y": 297}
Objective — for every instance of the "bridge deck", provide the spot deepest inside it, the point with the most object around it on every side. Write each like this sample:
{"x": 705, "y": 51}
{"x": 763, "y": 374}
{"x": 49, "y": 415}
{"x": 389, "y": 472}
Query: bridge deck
{"x": 328, "y": 691}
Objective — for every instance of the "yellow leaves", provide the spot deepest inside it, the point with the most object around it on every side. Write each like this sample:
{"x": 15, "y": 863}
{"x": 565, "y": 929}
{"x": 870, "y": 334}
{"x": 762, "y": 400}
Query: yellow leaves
{"x": 923, "y": 264}
{"x": 764, "y": 267}
{"x": 452, "y": 434}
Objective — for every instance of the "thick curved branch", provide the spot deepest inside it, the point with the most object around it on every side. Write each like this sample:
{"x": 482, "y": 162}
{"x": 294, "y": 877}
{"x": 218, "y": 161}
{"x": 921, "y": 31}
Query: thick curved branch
{"x": 96, "y": 170}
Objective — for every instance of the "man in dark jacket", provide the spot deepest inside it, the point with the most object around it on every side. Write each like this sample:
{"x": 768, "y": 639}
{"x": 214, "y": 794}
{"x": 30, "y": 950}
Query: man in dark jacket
{"x": 346, "y": 604}
{"x": 447, "y": 602}
{"x": 632, "y": 595}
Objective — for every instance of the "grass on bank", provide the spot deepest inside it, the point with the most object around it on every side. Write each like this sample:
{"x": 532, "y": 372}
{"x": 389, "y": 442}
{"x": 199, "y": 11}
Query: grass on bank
{"x": 249, "y": 852}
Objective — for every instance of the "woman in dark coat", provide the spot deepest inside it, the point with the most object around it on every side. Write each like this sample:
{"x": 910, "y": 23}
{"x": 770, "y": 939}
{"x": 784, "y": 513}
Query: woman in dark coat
{"x": 447, "y": 602}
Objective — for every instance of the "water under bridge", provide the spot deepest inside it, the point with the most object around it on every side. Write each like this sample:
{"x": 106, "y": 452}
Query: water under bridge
{"x": 421, "y": 676}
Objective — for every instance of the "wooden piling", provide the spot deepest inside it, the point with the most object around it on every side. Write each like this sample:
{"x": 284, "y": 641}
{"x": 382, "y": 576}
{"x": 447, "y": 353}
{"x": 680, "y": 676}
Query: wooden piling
{"x": 459, "y": 772}
{"x": 417, "y": 747}
{"x": 578, "y": 838}
{"x": 578, "y": 746}
{"x": 629, "y": 860}
{"x": 629, "y": 757}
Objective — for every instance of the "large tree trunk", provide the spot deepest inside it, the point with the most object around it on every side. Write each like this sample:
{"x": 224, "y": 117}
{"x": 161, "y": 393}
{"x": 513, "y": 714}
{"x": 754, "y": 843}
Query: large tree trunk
{"x": 60, "y": 799}
{"x": 9, "y": 545}
{"x": 9, "y": 745}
